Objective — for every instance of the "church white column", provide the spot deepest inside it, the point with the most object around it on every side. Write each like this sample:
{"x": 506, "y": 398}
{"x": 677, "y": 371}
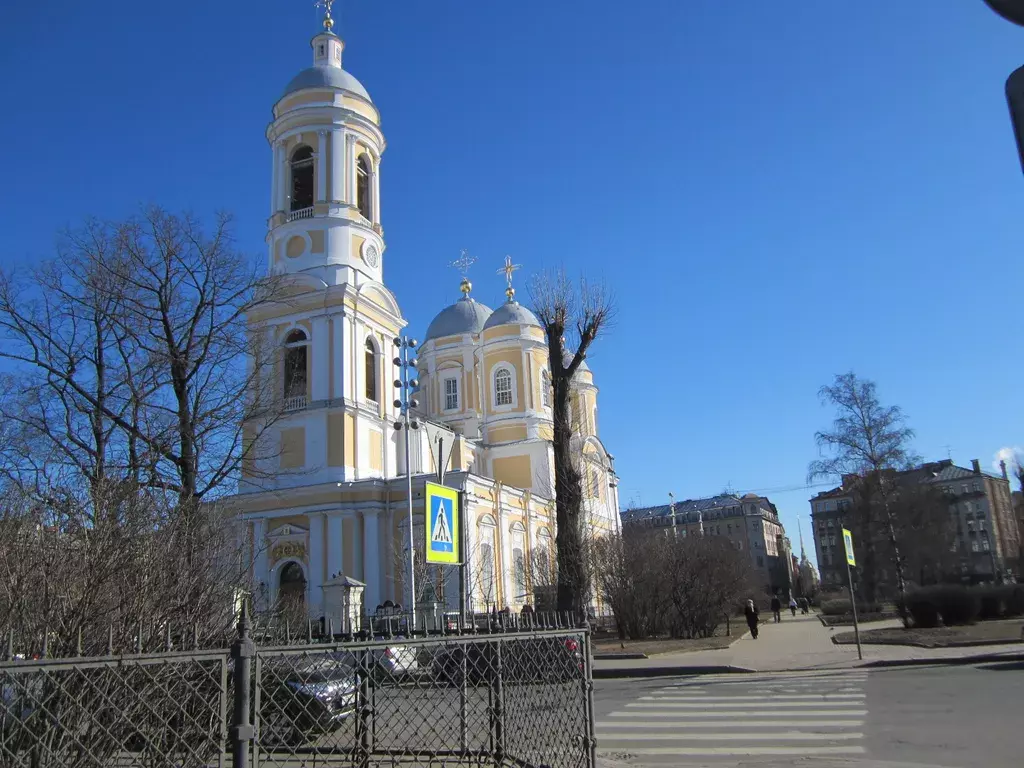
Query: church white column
{"x": 283, "y": 177}
{"x": 358, "y": 537}
{"x": 334, "y": 545}
{"x": 321, "y": 166}
{"x": 261, "y": 567}
{"x": 275, "y": 178}
{"x": 371, "y": 560}
{"x": 338, "y": 185}
{"x": 316, "y": 565}
{"x": 339, "y": 363}
{"x": 375, "y": 191}
{"x": 321, "y": 349}
{"x": 351, "y": 175}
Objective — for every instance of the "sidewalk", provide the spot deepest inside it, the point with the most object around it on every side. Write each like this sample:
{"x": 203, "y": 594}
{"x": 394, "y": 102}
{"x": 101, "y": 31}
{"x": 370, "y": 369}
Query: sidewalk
{"x": 797, "y": 643}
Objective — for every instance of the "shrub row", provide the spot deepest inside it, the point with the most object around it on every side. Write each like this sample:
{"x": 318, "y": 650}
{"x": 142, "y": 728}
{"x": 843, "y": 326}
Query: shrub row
{"x": 841, "y": 607}
{"x": 955, "y": 604}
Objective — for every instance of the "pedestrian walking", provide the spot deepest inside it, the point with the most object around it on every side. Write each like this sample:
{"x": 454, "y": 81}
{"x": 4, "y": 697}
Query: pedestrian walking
{"x": 776, "y": 608}
{"x": 792, "y": 605}
{"x": 750, "y": 611}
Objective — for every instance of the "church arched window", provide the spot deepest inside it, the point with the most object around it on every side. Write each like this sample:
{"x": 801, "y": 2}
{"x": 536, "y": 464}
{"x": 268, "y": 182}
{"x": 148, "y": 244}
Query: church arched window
{"x": 296, "y": 346}
{"x": 518, "y": 561}
{"x": 302, "y": 178}
{"x": 371, "y": 371}
{"x": 363, "y": 186}
{"x": 545, "y": 388}
{"x": 503, "y": 386}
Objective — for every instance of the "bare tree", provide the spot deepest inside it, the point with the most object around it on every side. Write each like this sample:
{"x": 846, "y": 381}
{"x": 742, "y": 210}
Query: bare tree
{"x": 871, "y": 442}
{"x": 585, "y": 312}
{"x": 131, "y": 359}
{"x": 630, "y": 576}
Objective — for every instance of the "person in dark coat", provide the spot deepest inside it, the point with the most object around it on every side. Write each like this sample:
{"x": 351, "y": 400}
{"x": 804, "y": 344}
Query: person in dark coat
{"x": 750, "y": 611}
{"x": 776, "y": 608}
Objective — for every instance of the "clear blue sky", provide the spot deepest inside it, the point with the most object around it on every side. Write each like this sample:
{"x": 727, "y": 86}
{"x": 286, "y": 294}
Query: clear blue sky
{"x": 777, "y": 191}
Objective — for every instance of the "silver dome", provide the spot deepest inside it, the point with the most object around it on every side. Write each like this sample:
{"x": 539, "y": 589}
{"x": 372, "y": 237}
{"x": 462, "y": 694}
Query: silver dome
{"x": 512, "y": 312}
{"x": 326, "y": 77}
{"x": 464, "y": 316}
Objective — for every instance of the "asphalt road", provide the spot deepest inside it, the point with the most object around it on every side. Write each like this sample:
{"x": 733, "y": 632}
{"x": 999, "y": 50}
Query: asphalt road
{"x": 939, "y": 716}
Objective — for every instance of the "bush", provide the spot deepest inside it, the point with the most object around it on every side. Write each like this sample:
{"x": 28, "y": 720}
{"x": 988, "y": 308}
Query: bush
{"x": 1001, "y": 600}
{"x": 836, "y": 607}
{"x": 952, "y": 604}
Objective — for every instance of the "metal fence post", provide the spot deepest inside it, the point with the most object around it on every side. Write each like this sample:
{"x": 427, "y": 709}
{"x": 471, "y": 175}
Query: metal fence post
{"x": 242, "y": 651}
{"x": 364, "y": 711}
{"x": 589, "y": 740}
{"x": 498, "y": 708}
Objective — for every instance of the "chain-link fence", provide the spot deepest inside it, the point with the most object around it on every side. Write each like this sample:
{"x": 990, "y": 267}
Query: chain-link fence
{"x": 515, "y": 695}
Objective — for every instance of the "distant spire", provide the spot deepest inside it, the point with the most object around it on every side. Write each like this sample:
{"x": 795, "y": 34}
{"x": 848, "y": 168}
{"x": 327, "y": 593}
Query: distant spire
{"x": 463, "y": 263}
{"x": 800, "y": 529}
{"x": 507, "y": 270}
{"x": 328, "y": 21}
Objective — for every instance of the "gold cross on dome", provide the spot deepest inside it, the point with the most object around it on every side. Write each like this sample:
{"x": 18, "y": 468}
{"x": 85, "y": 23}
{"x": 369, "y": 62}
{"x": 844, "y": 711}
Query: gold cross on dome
{"x": 508, "y": 269}
{"x": 463, "y": 263}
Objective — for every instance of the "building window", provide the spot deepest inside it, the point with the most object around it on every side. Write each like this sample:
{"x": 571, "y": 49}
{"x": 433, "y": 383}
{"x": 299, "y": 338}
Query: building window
{"x": 969, "y": 507}
{"x": 302, "y": 178}
{"x": 977, "y": 486}
{"x": 545, "y": 388}
{"x": 503, "y": 386}
{"x": 363, "y": 186}
{"x": 963, "y": 488}
{"x": 370, "y": 366}
{"x": 451, "y": 394}
{"x": 295, "y": 361}
{"x": 984, "y": 545}
{"x": 974, "y": 545}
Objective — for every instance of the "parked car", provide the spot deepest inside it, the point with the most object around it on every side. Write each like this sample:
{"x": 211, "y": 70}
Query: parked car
{"x": 395, "y": 661}
{"x": 523, "y": 660}
{"x": 304, "y": 697}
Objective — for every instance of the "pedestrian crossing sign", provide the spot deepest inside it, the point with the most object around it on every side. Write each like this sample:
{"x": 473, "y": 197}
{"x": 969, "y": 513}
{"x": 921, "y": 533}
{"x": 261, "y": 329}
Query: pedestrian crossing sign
{"x": 848, "y": 546}
{"x": 442, "y": 524}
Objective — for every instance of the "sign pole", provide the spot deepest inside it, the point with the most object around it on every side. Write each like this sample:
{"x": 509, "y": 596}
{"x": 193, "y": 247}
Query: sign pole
{"x": 463, "y": 552}
{"x": 850, "y": 561}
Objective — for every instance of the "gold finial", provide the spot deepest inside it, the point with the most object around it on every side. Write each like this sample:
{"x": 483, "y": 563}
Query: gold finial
{"x": 463, "y": 263}
{"x": 507, "y": 270}
{"x": 326, "y": 5}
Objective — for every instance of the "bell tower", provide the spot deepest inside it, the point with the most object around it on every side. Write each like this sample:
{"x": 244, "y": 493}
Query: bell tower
{"x": 326, "y": 147}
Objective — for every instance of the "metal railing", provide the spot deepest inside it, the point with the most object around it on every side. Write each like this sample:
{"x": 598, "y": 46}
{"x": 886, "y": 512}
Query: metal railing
{"x": 301, "y": 213}
{"x": 295, "y": 403}
{"x": 507, "y": 695}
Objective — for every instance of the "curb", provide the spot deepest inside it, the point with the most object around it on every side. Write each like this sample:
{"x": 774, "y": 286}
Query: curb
{"x": 983, "y": 658}
{"x": 613, "y": 674}
{"x": 965, "y": 644}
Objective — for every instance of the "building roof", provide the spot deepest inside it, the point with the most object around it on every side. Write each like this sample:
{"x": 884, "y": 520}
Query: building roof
{"x": 688, "y": 510}
{"x": 464, "y": 316}
{"x": 326, "y": 77}
{"x": 512, "y": 313}
{"x": 942, "y": 471}
{"x": 567, "y": 359}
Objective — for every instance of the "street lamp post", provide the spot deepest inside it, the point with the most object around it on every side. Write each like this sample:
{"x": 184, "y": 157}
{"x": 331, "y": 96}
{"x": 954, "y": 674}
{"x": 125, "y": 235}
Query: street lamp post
{"x": 1013, "y": 11}
{"x": 407, "y": 384}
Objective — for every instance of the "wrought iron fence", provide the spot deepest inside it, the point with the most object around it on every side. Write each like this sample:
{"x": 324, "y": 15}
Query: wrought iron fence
{"x": 509, "y": 695}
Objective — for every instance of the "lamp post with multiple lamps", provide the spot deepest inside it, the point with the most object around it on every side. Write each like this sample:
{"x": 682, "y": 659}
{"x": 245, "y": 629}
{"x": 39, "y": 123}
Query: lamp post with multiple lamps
{"x": 1013, "y": 11}
{"x": 406, "y": 384}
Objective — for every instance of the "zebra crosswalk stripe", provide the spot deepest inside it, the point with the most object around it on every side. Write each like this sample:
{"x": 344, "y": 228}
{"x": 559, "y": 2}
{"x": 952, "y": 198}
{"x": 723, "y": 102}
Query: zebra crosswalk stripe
{"x": 795, "y": 714}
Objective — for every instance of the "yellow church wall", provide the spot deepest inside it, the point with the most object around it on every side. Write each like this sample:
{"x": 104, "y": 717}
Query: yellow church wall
{"x": 361, "y": 107}
{"x": 515, "y": 359}
{"x": 295, "y": 247}
{"x": 376, "y": 451}
{"x": 335, "y": 440}
{"x": 293, "y": 448}
{"x": 306, "y": 97}
{"x": 357, "y": 246}
{"x": 317, "y": 236}
{"x": 501, "y": 332}
{"x": 513, "y": 470}
{"x": 350, "y": 440}
{"x": 546, "y": 432}
{"x": 506, "y": 434}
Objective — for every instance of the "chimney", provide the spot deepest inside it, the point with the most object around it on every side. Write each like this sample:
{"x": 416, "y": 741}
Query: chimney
{"x": 976, "y": 465}
{"x": 1002, "y": 467}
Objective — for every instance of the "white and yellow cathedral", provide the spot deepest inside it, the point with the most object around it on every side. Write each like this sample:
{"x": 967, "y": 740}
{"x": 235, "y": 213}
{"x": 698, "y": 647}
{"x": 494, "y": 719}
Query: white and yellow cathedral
{"x": 329, "y": 500}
